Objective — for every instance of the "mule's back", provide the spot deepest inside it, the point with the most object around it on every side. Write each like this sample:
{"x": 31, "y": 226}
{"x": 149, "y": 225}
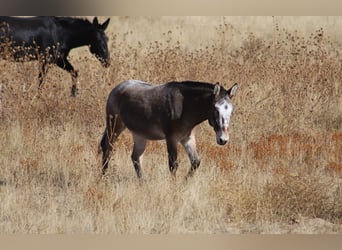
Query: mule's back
{"x": 140, "y": 106}
{"x": 135, "y": 94}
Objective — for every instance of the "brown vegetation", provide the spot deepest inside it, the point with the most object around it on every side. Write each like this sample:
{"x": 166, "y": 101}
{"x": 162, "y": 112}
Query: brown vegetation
{"x": 281, "y": 172}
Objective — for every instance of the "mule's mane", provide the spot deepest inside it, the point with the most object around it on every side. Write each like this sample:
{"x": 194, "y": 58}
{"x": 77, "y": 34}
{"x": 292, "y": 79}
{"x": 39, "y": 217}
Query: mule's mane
{"x": 193, "y": 85}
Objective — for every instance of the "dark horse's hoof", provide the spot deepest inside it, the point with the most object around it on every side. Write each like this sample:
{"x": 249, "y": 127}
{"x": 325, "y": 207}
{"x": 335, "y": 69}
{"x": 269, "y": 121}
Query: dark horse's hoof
{"x": 74, "y": 91}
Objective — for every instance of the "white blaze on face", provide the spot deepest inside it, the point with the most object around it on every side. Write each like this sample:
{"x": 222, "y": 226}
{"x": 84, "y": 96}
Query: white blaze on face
{"x": 225, "y": 109}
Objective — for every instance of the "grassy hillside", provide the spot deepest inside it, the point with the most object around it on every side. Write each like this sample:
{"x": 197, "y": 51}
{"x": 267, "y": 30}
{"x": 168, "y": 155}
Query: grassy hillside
{"x": 280, "y": 173}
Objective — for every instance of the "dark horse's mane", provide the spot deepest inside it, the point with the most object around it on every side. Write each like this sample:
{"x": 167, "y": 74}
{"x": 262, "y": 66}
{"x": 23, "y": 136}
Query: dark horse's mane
{"x": 67, "y": 21}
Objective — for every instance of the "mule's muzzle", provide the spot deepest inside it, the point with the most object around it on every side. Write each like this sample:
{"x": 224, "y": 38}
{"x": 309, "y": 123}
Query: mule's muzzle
{"x": 221, "y": 141}
{"x": 222, "y": 137}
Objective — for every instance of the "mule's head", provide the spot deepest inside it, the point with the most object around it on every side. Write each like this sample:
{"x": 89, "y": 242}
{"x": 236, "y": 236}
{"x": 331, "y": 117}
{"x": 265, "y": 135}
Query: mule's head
{"x": 221, "y": 112}
{"x": 98, "y": 43}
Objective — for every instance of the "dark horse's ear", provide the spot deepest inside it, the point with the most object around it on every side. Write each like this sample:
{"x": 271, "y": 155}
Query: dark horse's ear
{"x": 105, "y": 24}
{"x": 95, "y": 21}
{"x": 175, "y": 103}
{"x": 232, "y": 91}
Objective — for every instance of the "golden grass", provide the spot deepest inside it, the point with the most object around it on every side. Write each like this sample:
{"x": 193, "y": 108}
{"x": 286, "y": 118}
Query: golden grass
{"x": 281, "y": 172}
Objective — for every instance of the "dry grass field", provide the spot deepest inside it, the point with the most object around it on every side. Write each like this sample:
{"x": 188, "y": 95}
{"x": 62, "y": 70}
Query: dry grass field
{"x": 280, "y": 173}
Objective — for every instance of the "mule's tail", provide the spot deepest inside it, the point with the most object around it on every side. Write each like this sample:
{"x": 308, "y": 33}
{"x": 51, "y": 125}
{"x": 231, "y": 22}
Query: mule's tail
{"x": 103, "y": 147}
{"x": 103, "y": 142}
{"x": 108, "y": 138}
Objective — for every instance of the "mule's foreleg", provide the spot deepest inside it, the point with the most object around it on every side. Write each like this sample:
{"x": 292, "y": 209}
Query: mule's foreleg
{"x": 172, "y": 153}
{"x": 189, "y": 145}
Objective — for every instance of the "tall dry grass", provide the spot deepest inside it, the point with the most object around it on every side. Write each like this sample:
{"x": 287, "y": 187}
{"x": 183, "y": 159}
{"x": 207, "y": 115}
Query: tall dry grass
{"x": 281, "y": 172}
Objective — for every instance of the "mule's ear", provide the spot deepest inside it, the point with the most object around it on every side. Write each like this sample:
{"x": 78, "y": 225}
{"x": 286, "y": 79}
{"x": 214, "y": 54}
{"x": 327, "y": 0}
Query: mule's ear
{"x": 105, "y": 24}
{"x": 95, "y": 21}
{"x": 217, "y": 89}
{"x": 232, "y": 91}
{"x": 175, "y": 104}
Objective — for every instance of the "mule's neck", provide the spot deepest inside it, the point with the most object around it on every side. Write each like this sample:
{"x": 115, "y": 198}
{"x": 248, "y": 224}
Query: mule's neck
{"x": 198, "y": 104}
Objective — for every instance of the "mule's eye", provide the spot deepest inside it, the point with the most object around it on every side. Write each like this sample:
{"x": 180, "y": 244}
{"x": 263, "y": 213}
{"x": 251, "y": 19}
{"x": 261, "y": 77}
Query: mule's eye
{"x": 226, "y": 106}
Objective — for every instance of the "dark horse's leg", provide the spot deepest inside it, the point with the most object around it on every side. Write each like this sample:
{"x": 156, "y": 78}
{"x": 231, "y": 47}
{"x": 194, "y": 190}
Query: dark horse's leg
{"x": 66, "y": 65}
{"x": 113, "y": 129}
{"x": 172, "y": 152}
{"x": 42, "y": 74}
{"x": 138, "y": 150}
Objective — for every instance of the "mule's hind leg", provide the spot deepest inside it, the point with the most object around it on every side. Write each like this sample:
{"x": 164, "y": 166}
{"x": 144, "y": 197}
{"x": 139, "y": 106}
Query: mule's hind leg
{"x": 138, "y": 150}
{"x": 113, "y": 129}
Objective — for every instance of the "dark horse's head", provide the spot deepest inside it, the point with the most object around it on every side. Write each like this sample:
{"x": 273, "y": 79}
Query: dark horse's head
{"x": 98, "y": 43}
{"x": 221, "y": 111}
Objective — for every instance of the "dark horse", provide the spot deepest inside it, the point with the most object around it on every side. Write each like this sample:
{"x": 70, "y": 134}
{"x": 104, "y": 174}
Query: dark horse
{"x": 50, "y": 39}
{"x": 169, "y": 111}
